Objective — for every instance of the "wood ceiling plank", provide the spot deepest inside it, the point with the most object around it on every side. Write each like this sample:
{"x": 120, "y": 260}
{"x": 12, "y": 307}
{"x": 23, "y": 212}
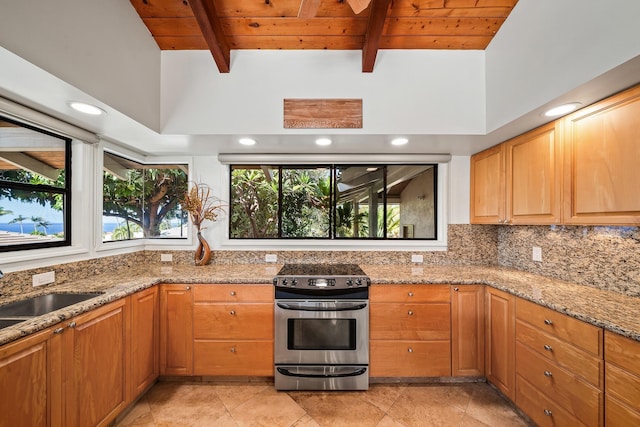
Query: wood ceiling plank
{"x": 257, "y": 8}
{"x": 296, "y": 42}
{"x": 480, "y": 3}
{"x": 442, "y": 26}
{"x": 162, "y": 8}
{"x": 308, "y": 9}
{"x": 377, "y": 15}
{"x": 294, "y": 27}
{"x": 460, "y": 12}
{"x": 181, "y": 43}
{"x": 435, "y": 42}
{"x": 209, "y": 23}
{"x": 173, "y": 26}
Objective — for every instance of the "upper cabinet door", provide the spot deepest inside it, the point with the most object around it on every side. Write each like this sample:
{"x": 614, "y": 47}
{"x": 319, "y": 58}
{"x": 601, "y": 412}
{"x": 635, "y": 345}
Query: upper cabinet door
{"x": 487, "y": 186}
{"x": 534, "y": 176}
{"x": 602, "y": 162}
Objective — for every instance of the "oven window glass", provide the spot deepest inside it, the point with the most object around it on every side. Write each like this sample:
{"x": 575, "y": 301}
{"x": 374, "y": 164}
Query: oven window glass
{"x": 321, "y": 334}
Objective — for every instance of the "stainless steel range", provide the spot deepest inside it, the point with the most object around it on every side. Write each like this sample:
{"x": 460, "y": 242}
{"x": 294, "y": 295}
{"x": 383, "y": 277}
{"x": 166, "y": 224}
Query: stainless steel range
{"x": 321, "y": 327}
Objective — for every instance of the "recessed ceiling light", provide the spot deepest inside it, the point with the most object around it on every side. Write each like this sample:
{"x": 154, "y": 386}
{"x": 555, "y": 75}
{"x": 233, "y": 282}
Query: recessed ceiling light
{"x": 323, "y": 141}
{"x": 86, "y": 108}
{"x": 399, "y": 141}
{"x": 247, "y": 141}
{"x": 562, "y": 109}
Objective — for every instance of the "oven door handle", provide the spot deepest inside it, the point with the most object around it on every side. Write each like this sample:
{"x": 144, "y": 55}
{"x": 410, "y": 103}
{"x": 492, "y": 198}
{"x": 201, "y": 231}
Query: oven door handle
{"x": 355, "y": 373}
{"x": 297, "y": 307}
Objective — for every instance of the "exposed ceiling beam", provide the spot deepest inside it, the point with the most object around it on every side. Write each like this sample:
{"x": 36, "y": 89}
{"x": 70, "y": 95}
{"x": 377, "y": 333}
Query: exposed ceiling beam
{"x": 358, "y": 5}
{"x": 308, "y": 9}
{"x": 114, "y": 167}
{"x": 211, "y": 28}
{"x": 377, "y": 16}
{"x": 29, "y": 163}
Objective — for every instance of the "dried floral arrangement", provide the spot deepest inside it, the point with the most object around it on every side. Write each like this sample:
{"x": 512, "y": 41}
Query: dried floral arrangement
{"x": 201, "y": 204}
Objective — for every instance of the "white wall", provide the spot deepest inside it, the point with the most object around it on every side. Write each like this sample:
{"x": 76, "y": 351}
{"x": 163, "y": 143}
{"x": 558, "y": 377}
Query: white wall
{"x": 410, "y": 92}
{"x": 549, "y": 47}
{"x": 100, "y": 47}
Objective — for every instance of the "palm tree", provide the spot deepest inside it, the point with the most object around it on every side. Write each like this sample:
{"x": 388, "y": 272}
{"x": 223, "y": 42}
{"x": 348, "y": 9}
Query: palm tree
{"x": 44, "y": 224}
{"x": 36, "y": 221}
{"x": 4, "y": 211}
{"x": 19, "y": 220}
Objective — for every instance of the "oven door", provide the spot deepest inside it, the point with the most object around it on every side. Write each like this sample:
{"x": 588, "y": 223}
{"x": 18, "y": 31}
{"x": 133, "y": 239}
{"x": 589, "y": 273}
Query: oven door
{"x": 321, "y": 332}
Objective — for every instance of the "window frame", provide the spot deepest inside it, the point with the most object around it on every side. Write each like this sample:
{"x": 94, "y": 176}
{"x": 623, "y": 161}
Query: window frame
{"x": 66, "y": 192}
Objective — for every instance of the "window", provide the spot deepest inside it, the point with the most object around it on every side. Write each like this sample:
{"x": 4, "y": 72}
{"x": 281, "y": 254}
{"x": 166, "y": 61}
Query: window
{"x": 333, "y": 202}
{"x": 142, "y": 201}
{"x": 35, "y": 187}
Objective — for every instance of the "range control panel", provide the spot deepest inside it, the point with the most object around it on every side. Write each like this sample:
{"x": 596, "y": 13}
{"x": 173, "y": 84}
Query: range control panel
{"x": 341, "y": 282}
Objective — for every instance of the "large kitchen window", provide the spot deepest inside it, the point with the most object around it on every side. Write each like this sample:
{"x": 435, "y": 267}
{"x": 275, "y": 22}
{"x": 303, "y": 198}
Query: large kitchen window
{"x": 35, "y": 187}
{"x": 333, "y": 202}
{"x": 142, "y": 201}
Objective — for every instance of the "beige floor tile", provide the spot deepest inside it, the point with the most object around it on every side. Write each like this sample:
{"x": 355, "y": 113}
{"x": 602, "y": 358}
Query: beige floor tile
{"x": 233, "y": 395}
{"x": 268, "y": 408}
{"x": 382, "y": 395}
{"x": 387, "y": 421}
{"x": 306, "y": 421}
{"x": 139, "y": 415}
{"x": 488, "y": 406}
{"x": 185, "y": 404}
{"x": 339, "y": 408}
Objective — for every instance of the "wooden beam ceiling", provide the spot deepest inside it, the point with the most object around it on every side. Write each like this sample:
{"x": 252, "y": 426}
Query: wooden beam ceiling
{"x": 377, "y": 18}
{"x": 209, "y": 23}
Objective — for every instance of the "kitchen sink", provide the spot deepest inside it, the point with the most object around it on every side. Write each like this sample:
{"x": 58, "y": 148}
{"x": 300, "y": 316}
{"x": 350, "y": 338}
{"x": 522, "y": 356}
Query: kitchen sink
{"x": 43, "y": 304}
{"x": 5, "y": 323}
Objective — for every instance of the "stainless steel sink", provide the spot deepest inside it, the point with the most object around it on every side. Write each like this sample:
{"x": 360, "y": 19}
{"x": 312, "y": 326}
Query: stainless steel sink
{"x": 43, "y": 304}
{"x": 5, "y": 323}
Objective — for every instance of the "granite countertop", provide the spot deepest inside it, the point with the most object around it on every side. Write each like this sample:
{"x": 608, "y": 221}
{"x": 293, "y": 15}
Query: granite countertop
{"x": 610, "y": 310}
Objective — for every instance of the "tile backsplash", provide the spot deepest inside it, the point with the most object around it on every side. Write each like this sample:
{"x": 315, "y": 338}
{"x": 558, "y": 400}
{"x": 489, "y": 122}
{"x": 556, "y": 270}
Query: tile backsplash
{"x": 601, "y": 257}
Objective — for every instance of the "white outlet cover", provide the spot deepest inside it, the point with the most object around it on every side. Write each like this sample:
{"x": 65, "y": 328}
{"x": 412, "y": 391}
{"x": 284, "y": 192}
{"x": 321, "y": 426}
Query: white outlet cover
{"x": 166, "y": 257}
{"x": 417, "y": 258}
{"x": 536, "y": 254}
{"x": 271, "y": 258}
{"x": 43, "y": 278}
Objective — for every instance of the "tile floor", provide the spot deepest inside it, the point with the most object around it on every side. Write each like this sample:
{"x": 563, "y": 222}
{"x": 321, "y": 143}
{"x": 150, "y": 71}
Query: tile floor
{"x": 383, "y": 405}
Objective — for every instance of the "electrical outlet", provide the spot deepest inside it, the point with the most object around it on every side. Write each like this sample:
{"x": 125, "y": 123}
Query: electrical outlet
{"x": 417, "y": 258}
{"x": 44, "y": 278}
{"x": 166, "y": 257}
{"x": 536, "y": 254}
{"x": 271, "y": 258}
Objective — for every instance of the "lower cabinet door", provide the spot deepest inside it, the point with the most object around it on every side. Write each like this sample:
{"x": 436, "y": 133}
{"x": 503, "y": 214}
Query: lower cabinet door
{"x": 242, "y": 358}
{"x": 618, "y": 414}
{"x": 542, "y": 410}
{"x": 410, "y": 358}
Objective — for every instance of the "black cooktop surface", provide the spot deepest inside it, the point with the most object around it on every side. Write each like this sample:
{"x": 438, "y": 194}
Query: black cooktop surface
{"x": 321, "y": 270}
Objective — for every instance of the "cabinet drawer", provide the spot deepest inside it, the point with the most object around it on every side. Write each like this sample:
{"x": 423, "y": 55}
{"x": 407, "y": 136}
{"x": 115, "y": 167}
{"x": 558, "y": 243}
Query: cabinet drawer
{"x": 233, "y": 321}
{"x": 410, "y": 293}
{"x": 233, "y": 293}
{"x": 623, "y": 385}
{"x": 542, "y": 410}
{"x": 410, "y": 358}
{"x": 574, "y": 395}
{"x": 573, "y": 331}
{"x": 250, "y": 358}
{"x": 410, "y": 321}
{"x": 622, "y": 351}
{"x": 617, "y": 414}
{"x": 578, "y": 362}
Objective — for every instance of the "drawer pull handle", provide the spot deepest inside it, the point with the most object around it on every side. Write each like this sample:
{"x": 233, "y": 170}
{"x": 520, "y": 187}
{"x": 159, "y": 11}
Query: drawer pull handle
{"x": 548, "y": 347}
{"x": 456, "y": 289}
{"x": 233, "y": 350}
{"x": 548, "y": 413}
{"x": 410, "y": 313}
{"x": 410, "y": 350}
{"x": 232, "y": 312}
{"x": 232, "y": 293}
{"x": 187, "y": 288}
{"x": 58, "y": 331}
{"x": 548, "y": 373}
{"x": 548, "y": 322}
{"x": 410, "y": 294}
{"x": 72, "y": 325}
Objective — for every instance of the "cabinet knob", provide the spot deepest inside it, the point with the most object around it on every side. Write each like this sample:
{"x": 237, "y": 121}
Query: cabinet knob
{"x": 456, "y": 289}
{"x": 233, "y": 350}
{"x": 187, "y": 288}
{"x": 410, "y": 350}
{"x": 232, "y": 312}
{"x": 58, "y": 331}
{"x": 548, "y": 412}
{"x": 548, "y": 322}
{"x": 548, "y": 374}
{"x": 72, "y": 325}
{"x": 232, "y": 293}
{"x": 410, "y": 294}
{"x": 548, "y": 347}
{"x": 410, "y": 313}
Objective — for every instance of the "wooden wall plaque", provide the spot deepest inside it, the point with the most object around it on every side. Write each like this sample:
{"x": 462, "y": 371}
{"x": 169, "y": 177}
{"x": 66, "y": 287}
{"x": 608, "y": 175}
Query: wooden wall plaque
{"x": 323, "y": 113}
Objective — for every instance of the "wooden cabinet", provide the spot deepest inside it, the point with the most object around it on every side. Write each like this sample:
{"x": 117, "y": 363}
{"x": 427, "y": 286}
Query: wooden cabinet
{"x": 560, "y": 358}
{"x": 488, "y": 186}
{"x": 96, "y": 365}
{"x": 144, "y": 340}
{"x": 467, "y": 331}
{"x": 622, "y": 380}
{"x": 534, "y": 176}
{"x": 410, "y": 331}
{"x": 601, "y": 153}
{"x": 233, "y": 330}
{"x": 31, "y": 380}
{"x": 176, "y": 330}
{"x": 500, "y": 341}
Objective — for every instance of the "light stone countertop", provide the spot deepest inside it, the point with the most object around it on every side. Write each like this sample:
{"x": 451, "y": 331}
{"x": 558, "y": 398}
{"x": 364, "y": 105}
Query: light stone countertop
{"x": 610, "y": 310}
